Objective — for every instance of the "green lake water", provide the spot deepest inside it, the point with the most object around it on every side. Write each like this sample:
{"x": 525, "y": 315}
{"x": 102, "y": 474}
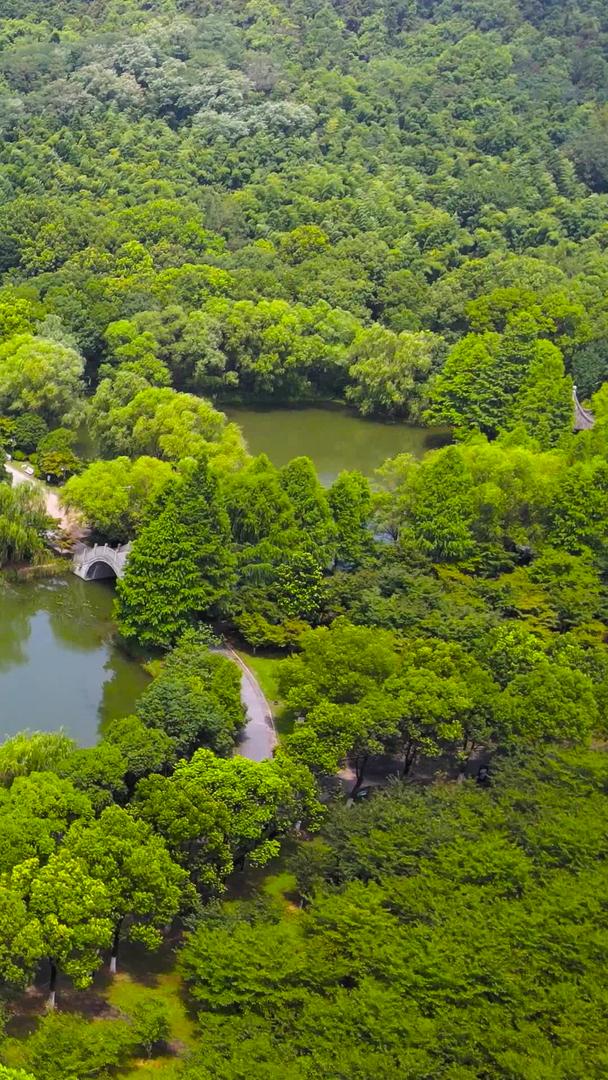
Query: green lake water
{"x": 59, "y": 665}
{"x": 335, "y": 439}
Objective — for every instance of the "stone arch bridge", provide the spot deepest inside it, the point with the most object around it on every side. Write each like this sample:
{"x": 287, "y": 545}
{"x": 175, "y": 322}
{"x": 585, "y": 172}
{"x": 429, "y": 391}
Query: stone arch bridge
{"x": 103, "y": 561}
{"x": 100, "y": 561}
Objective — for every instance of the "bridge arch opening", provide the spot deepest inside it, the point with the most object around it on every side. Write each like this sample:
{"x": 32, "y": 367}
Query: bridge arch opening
{"x": 98, "y": 571}
{"x": 100, "y": 561}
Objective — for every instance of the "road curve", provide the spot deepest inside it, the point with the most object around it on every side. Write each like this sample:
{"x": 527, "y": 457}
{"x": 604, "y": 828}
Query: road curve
{"x": 53, "y": 506}
{"x": 259, "y": 736}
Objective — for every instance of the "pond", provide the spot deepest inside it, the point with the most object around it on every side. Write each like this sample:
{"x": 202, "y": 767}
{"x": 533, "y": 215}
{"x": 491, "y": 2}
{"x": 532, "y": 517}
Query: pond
{"x": 334, "y": 438}
{"x": 59, "y": 664}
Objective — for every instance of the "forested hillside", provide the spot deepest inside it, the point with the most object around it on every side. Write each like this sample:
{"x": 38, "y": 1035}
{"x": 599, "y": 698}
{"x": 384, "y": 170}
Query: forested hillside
{"x": 292, "y": 200}
{"x": 396, "y": 205}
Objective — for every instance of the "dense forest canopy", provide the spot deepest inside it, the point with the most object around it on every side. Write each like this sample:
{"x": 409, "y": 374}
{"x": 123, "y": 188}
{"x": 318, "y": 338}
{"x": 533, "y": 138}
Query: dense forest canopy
{"x": 400, "y": 205}
{"x": 281, "y": 201}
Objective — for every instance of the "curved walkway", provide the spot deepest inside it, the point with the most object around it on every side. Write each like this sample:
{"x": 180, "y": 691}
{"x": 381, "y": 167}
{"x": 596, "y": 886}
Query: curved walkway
{"x": 53, "y": 506}
{"x": 259, "y": 736}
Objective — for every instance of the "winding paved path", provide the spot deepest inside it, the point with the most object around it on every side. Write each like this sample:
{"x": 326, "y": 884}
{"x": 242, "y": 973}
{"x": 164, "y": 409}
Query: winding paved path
{"x": 259, "y": 737}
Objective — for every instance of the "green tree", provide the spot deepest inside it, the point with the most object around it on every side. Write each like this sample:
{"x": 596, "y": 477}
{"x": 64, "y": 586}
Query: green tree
{"x": 40, "y": 376}
{"x": 145, "y": 887}
{"x": 389, "y": 371}
{"x": 23, "y": 522}
{"x": 252, "y": 804}
{"x": 341, "y": 664}
{"x": 113, "y": 496}
{"x": 195, "y": 700}
{"x": 350, "y": 502}
{"x": 33, "y": 751}
{"x": 73, "y": 913}
{"x": 298, "y": 586}
{"x": 21, "y": 941}
{"x": 143, "y": 749}
{"x": 28, "y": 431}
{"x": 311, "y": 508}
{"x": 180, "y": 565}
{"x": 549, "y": 703}
{"x": 544, "y": 401}
{"x": 99, "y": 771}
{"x": 236, "y": 964}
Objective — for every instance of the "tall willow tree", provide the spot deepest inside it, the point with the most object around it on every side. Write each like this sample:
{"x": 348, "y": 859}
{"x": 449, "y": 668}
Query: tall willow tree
{"x": 23, "y": 519}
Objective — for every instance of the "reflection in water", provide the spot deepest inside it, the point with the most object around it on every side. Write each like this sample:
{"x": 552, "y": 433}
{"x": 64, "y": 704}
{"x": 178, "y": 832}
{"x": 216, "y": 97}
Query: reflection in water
{"x": 334, "y": 438}
{"x": 59, "y": 666}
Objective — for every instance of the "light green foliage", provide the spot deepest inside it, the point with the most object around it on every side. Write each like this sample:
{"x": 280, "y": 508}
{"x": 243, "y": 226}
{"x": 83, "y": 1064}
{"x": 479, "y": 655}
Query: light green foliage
{"x": 67, "y": 1045}
{"x": 113, "y": 496}
{"x": 216, "y": 962}
{"x": 389, "y": 371}
{"x": 36, "y": 813}
{"x": 544, "y": 401}
{"x": 342, "y": 663}
{"x": 142, "y": 882}
{"x": 23, "y": 521}
{"x": 21, "y": 943}
{"x": 550, "y": 702}
{"x": 359, "y": 691}
{"x": 158, "y": 422}
{"x": 298, "y": 586}
{"x": 30, "y": 752}
{"x": 41, "y": 376}
{"x": 70, "y": 913}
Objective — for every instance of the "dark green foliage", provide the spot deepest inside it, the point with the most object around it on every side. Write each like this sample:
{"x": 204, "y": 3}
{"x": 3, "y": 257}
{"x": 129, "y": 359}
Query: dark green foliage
{"x": 447, "y": 931}
{"x": 180, "y": 566}
{"x": 144, "y": 749}
{"x": 195, "y": 700}
{"x": 28, "y": 431}
{"x": 99, "y": 771}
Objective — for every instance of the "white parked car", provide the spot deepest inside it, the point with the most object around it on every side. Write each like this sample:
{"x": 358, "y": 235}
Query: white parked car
{"x": 29, "y": 469}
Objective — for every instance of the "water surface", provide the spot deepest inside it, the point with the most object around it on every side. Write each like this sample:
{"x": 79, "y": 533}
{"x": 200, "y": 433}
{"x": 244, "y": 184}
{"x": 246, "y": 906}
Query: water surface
{"x": 59, "y": 664}
{"x": 335, "y": 439}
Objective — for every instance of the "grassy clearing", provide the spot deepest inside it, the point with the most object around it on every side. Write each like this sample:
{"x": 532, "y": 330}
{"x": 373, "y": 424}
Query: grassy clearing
{"x": 153, "y": 1069}
{"x": 266, "y": 671}
{"x": 126, "y": 992}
